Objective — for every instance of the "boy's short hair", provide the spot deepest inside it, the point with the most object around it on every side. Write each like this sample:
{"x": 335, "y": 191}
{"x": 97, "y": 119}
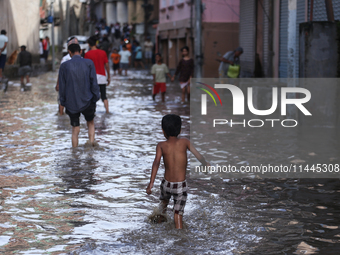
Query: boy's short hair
{"x": 74, "y": 48}
{"x": 91, "y": 42}
{"x": 171, "y": 124}
{"x": 124, "y": 46}
{"x": 185, "y": 48}
{"x": 3, "y": 32}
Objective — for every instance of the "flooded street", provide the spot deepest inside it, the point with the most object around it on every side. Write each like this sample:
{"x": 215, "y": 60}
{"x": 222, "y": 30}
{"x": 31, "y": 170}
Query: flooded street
{"x": 92, "y": 200}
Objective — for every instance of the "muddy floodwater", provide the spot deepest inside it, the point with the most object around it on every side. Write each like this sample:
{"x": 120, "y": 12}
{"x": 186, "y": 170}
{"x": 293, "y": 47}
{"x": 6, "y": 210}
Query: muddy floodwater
{"x": 92, "y": 200}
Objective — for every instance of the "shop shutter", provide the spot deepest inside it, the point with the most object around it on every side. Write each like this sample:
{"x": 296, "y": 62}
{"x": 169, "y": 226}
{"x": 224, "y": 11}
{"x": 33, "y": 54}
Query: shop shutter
{"x": 266, "y": 38}
{"x": 247, "y": 37}
{"x": 283, "y": 61}
{"x": 320, "y": 14}
{"x": 300, "y": 18}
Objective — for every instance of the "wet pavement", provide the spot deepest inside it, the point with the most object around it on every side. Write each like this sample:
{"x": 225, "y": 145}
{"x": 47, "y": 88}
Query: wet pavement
{"x": 92, "y": 200}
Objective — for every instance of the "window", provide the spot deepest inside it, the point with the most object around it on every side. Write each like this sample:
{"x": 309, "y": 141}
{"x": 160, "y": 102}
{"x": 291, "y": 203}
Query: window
{"x": 172, "y": 2}
{"x": 163, "y": 3}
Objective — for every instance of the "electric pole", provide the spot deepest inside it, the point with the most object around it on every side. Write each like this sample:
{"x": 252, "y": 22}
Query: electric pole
{"x": 52, "y": 37}
{"x": 198, "y": 38}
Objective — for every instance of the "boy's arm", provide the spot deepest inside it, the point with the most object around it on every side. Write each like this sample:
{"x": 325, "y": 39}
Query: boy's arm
{"x": 178, "y": 69}
{"x": 61, "y": 86}
{"x": 107, "y": 67}
{"x": 57, "y": 85}
{"x": 197, "y": 154}
{"x": 167, "y": 72}
{"x": 154, "y": 79}
{"x": 155, "y": 167}
{"x": 3, "y": 48}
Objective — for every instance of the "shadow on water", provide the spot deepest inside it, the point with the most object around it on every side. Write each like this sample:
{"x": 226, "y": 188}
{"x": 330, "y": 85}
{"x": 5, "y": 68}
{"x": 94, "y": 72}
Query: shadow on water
{"x": 92, "y": 200}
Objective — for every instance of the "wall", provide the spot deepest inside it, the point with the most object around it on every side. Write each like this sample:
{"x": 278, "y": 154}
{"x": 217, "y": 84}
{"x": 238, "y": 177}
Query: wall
{"x": 318, "y": 50}
{"x": 217, "y": 38}
{"x": 21, "y": 20}
{"x": 215, "y": 11}
{"x": 247, "y": 37}
{"x": 173, "y": 12}
{"x": 220, "y": 30}
{"x": 221, "y": 11}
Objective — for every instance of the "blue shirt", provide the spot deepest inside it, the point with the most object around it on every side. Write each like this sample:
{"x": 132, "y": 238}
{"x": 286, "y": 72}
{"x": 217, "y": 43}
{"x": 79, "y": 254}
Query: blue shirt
{"x": 78, "y": 84}
{"x": 138, "y": 52}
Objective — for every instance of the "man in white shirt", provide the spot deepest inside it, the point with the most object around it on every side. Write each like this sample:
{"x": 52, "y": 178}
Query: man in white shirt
{"x": 125, "y": 59}
{"x": 3, "y": 51}
{"x": 148, "y": 46}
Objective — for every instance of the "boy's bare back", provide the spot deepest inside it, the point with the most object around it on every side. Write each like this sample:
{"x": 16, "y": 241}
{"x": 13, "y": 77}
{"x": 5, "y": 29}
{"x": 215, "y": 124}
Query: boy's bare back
{"x": 174, "y": 152}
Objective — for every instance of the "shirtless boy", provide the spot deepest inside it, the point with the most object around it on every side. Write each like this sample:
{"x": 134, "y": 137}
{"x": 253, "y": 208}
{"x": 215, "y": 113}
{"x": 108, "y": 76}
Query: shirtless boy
{"x": 174, "y": 152}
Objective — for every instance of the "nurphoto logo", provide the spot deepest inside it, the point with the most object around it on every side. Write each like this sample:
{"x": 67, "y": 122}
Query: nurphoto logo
{"x": 239, "y": 104}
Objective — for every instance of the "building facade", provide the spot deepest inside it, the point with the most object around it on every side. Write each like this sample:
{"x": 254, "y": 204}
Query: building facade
{"x": 128, "y": 11}
{"x": 15, "y": 13}
{"x": 220, "y": 24}
{"x": 269, "y": 34}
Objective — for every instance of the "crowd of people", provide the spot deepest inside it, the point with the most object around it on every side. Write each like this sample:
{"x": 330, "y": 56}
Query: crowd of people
{"x": 112, "y": 40}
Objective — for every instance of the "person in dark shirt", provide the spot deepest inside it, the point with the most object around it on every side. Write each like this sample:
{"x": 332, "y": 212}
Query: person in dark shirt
{"x": 78, "y": 91}
{"x": 105, "y": 45}
{"x": 25, "y": 63}
{"x": 185, "y": 69}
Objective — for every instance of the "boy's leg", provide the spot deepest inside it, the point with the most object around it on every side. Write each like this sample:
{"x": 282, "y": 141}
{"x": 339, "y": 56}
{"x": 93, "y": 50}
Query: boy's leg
{"x": 27, "y": 78}
{"x": 90, "y": 125}
{"x": 75, "y": 134}
{"x": 188, "y": 92}
{"x": 61, "y": 110}
{"x": 74, "y": 118}
{"x": 178, "y": 221}
{"x": 155, "y": 91}
{"x": 183, "y": 94}
{"x": 180, "y": 199}
{"x": 22, "y": 86}
{"x": 164, "y": 206}
{"x": 103, "y": 96}
{"x": 163, "y": 90}
{"x": 89, "y": 114}
{"x": 106, "y": 105}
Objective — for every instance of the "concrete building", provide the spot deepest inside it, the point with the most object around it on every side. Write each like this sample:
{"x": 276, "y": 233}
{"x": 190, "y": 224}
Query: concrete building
{"x": 70, "y": 19}
{"x": 220, "y": 24}
{"x": 269, "y": 34}
{"x": 21, "y": 20}
{"x": 126, "y": 11}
